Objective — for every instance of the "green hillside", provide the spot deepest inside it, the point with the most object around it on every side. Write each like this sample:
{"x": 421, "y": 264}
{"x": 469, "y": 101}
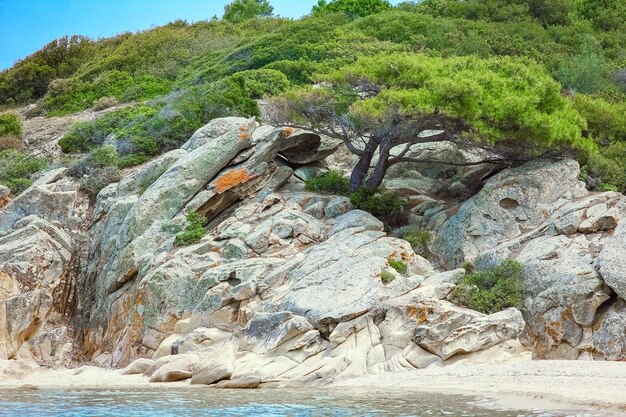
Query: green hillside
{"x": 572, "y": 52}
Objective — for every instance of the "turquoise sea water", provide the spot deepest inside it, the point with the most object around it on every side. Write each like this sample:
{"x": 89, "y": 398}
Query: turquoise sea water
{"x": 221, "y": 403}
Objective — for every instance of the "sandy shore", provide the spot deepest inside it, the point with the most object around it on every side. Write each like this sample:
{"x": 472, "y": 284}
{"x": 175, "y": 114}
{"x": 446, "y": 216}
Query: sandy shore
{"x": 545, "y": 385}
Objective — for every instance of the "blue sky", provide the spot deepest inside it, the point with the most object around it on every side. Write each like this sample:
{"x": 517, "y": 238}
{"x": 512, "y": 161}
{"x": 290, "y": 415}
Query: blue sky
{"x": 27, "y": 25}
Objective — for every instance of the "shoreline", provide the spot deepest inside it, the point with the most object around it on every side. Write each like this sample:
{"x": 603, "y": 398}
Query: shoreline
{"x": 580, "y": 386}
{"x": 544, "y": 385}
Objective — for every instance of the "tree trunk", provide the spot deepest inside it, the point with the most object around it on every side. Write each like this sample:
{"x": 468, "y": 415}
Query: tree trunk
{"x": 378, "y": 175}
{"x": 359, "y": 172}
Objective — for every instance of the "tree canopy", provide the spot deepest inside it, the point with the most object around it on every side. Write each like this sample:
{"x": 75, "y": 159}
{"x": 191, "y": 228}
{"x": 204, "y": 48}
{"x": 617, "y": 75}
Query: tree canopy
{"x": 394, "y": 101}
{"x": 240, "y": 10}
{"x": 353, "y": 8}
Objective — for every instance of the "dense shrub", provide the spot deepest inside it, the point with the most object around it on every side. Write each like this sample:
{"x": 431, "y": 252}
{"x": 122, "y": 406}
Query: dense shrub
{"x": 17, "y": 167}
{"x": 29, "y": 78}
{"x": 491, "y": 290}
{"x": 194, "y": 230}
{"x": 10, "y": 141}
{"x": 353, "y": 8}
{"x": 98, "y": 159}
{"x": 331, "y": 181}
{"x": 98, "y": 179}
{"x": 10, "y": 123}
{"x": 258, "y": 83}
{"x": 418, "y": 238}
{"x": 217, "y": 68}
{"x": 241, "y": 10}
{"x": 104, "y": 103}
{"x": 377, "y": 201}
{"x": 141, "y": 132}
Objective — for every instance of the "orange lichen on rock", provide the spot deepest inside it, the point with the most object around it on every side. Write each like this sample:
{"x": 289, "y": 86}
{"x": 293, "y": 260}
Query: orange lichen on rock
{"x": 287, "y": 132}
{"x": 243, "y": 133}
{"x": 232, "y": 179}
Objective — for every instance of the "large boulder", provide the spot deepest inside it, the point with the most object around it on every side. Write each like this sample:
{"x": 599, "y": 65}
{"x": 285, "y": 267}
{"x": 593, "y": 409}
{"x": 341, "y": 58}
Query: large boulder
{"x": 39, "y": 234}
{"x": 612, "y": 260}
{"x": 215, "y": 366}
{"x": 511, "y": 203}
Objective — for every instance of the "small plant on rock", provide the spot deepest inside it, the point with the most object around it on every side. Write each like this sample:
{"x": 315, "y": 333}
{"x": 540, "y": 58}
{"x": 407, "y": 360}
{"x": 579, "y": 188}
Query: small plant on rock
{"x": 330, "y": 182}
{"x": 193, "y": 231}
{"x": 398, "y": 265}
{"x": 491, "y": 290}
{"x": 418, "y": 238}
{"x": 386, "y": 277}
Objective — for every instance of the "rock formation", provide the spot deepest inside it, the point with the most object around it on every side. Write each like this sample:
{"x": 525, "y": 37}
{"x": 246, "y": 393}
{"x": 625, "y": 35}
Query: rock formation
{"x": 286, "y": 284}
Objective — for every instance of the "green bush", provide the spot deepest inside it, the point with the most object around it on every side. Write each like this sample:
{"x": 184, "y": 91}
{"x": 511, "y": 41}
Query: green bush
{"x": 353, "y": 8}
{"x": 194, "y": 230}
{"x": 418, "y": 238}
{"x": 398, "y": 265}
{"x": 377, "y": 201}
{"x": 259, "y": 83}
{"x": 241, "y": 10}
{"x": 97, "y": 159}
{"x": 10, "y": 124}
{"x": 491, "y": 290}
{"x": 145, "y": 131}
{"x": 98, "y": 179}
{"x": 17, "y": 167}
{"x": 386, "y": 277}
{"x": 330, "y": 182}
{"x": 10, "y": 141}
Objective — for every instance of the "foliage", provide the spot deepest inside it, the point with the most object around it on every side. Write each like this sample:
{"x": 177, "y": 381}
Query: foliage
{"x": 510, "y": 105}
{"x": 241, "y": 10}
{"x": 104, "y": 103}
{"x": 97, "y": 159}
{"x": 605, "y": 168}
{"x": 398, "y": 265}
{"x": 331, "y": 181}
{"x": 494, "y": 69}
{"x": 144, "y": 131}
{"x": 28, "y": 79}
{"x": 586, "y": 72}
{"x": 418, "y": 238}
{"x": 17, "y": 167}
{"x": 491, "y": 290}
{"x": 353, "y": 8}
{"x": 10, "y": 141}
{"x": 10, "y": 123}
{"x": 194, "y": 230}
{"x": 386, "y": 277}
{"x": 258, "y": 83}
{"x": 98, "y": 179}
{"x": 377, "y": 201}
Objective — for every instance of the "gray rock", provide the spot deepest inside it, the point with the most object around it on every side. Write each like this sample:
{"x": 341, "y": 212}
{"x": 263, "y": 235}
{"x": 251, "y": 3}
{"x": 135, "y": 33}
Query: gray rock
{"x": 510, "y": 203}
{"x": 612, "y": 260}
{"x": 609, "y": 340}
{"x": 355, "y": 218}
{"x": 215, "y": 367}
{"x": 138, "y": 366}
{"x": 249, "y": 382}
{"x": 337, "y": 206}
{"x": 447, "y": 335}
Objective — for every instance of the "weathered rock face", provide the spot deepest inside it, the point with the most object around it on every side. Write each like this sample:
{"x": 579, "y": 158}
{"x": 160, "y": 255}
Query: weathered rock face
{"x": 284, "y": 286}
{"x": 39, "y": 234}
{"x": 570, "y": 243}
